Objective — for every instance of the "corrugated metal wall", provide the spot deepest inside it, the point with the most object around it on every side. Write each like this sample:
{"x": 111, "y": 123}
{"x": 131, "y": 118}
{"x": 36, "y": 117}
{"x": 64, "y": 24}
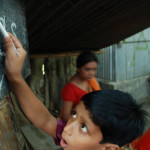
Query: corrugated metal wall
{"x": 106, "y": 67}
{"x": 127, "y": 60}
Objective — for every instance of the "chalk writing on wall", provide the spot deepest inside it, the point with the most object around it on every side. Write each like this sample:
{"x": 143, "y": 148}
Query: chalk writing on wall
{"x": 12, "y": 16}
{"x": 13, "y": 27}
{"x": 4, "y": 85}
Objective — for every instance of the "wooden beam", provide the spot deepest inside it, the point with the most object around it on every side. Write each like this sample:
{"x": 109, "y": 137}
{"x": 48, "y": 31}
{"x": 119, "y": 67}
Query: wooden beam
{"x": 63, "y": 54}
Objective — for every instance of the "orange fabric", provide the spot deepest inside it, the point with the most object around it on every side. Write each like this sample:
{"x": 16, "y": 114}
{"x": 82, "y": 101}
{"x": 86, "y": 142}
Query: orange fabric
{"x": 94, "y": 84}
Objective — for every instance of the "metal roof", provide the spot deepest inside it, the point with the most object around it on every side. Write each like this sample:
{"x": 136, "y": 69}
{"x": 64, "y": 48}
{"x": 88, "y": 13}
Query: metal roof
{"x": 71, "y": 25}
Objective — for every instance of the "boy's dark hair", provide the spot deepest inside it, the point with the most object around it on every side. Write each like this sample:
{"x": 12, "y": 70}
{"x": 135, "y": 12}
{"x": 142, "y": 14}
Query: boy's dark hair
{"x": 118, "y": 115}
{"x": 84, "y": 58}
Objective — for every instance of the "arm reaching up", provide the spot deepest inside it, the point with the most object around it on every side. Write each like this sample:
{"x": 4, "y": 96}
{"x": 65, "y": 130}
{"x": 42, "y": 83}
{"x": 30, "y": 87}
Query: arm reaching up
{"x": 30, "y": 104}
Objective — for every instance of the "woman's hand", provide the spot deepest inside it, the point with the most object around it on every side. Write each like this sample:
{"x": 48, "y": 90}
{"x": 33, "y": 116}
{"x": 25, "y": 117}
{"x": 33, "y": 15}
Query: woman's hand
{"x": 14, "y": 60}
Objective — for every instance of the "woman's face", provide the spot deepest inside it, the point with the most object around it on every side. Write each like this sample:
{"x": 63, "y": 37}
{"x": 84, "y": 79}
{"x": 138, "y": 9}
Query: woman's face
{"x": 88, "y": 71}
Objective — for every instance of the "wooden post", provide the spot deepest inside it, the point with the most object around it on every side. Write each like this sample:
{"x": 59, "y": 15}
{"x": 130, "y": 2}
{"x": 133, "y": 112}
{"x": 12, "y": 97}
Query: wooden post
{"x": 36, "y": 79}
{"x": 53, "y": 87}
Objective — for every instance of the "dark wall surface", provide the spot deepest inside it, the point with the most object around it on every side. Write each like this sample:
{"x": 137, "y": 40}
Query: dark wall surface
{"x": 12, "y": 16}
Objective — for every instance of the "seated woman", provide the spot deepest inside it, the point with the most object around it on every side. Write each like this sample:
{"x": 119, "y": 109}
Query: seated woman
{"x": 79, "y": 84}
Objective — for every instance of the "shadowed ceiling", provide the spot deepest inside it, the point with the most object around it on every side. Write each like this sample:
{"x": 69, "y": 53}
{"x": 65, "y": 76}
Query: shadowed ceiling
{"x": 71, "y": 25}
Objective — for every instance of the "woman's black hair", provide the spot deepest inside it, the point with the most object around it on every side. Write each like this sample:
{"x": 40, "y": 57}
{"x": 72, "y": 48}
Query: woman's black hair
{"x": 84, "y": 58}
{"x": 118, "y": 115}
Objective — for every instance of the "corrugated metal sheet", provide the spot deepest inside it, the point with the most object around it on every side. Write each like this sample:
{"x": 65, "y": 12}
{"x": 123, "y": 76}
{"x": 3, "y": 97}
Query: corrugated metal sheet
{"x": 106, "y": 65}
{"x": 65, "y": 25}
{"x": 133, "y": 58}
{"x": 129, "y": 61}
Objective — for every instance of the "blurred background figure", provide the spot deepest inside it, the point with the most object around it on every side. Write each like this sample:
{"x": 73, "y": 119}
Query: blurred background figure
{"x": 82, "y": 82}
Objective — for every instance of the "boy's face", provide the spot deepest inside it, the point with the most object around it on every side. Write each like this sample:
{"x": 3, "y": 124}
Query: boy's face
{"x": 81, "y": 133}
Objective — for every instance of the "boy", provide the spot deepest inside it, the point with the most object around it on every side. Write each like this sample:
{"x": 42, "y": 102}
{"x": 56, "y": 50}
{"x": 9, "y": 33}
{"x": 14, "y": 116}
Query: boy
{"x": 103, "y": 120}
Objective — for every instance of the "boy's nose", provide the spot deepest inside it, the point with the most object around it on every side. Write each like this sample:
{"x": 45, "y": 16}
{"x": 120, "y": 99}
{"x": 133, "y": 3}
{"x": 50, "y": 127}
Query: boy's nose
{"x": 69, "y": 128}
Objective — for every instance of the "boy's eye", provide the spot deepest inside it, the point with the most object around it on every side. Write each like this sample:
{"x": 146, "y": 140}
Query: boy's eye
{"x": 84, "y": 128}
{"x": 74, "y": 114}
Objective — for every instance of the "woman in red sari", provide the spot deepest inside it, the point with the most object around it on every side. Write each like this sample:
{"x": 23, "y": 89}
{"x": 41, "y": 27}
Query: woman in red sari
{"x": 79, "y": 84}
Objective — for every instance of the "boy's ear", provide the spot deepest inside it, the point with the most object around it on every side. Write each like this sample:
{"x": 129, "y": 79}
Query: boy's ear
{"x": 110, "y": 146}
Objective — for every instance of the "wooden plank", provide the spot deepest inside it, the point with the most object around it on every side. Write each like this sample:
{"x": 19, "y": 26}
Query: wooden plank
{"x": 64, "y": 54}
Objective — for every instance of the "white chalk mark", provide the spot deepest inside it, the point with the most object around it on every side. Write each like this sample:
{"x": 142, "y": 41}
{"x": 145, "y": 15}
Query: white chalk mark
{"x": 5, "y": 33}
{"x": 13, "y": 25}
{"x": 1, "y": 53}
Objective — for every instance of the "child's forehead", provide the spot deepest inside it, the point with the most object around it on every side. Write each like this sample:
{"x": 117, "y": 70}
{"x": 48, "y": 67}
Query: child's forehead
{"x": 82, "y": 111}
{"x": 84, "y": 116}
